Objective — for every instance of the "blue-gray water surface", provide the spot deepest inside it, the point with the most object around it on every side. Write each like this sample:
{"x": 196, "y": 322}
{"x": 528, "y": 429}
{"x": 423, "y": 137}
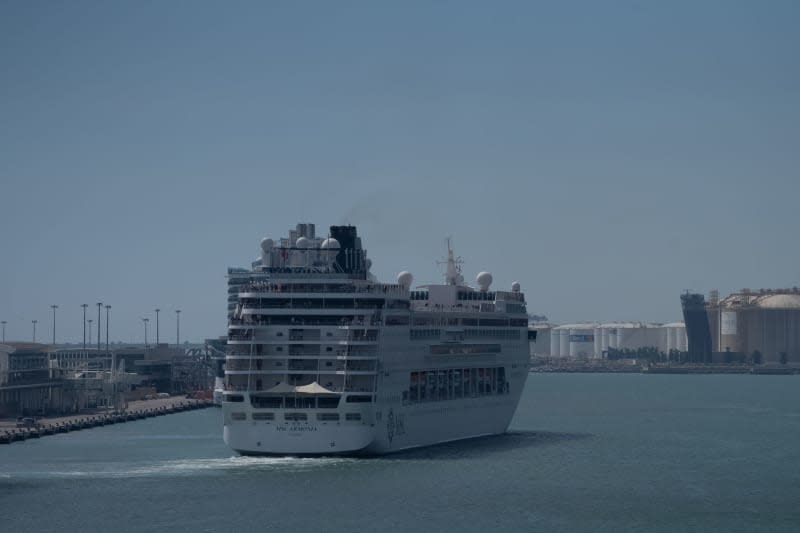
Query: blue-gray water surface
{"x": 585, "y": 453}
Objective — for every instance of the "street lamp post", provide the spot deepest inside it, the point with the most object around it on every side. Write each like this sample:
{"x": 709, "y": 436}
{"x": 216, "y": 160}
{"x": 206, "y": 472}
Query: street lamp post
{"x": 54, "y": 307}
{"x": 34, "y": 329}
{"x": 84, "y": 326}
{"x": 4, "y": 330}
{"x": 99, "y": 305}
{"x": 108, "y": 308}
{"x": 178, "y": 328}
{"x": 157, "y": 338}
{"x": 90, "y": 328}
{"x": 145, "y": 321}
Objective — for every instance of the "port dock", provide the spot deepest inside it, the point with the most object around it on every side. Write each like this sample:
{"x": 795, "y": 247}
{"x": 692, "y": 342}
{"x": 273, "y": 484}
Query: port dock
{"x": 12, "y": 430}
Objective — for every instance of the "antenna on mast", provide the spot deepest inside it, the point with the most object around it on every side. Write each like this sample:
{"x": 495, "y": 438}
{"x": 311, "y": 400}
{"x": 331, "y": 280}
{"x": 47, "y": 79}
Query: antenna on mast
{"x": 453, "y": 274}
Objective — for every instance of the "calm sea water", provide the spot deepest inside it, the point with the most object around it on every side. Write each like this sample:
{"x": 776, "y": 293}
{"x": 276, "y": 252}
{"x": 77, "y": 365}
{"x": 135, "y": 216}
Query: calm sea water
{"x": 586, "y": 453}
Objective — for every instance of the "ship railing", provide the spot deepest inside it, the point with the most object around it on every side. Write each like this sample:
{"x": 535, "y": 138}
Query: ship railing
{"x": 246, "y": 322}
{"x": 290, "y": 288}
{"x": 458, "y": 308}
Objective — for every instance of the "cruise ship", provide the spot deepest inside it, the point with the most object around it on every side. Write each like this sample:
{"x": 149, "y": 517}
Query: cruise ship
{"x": 323, "y": 359}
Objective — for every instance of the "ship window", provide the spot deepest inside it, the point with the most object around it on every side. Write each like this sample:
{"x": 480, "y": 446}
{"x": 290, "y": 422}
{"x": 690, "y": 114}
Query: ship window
{"x": 294, "y": 417}
{"x": 279, "y": 334}
{"x": 234, "y": 398}
{"x": 239, "y": 416}
{"x": 396, "y": 320}
{"x": 328, "y": 349}
{"x": 279, "y": 349}
{"x": 263, "y": 416}
{"x": 328, "y": 417}
{"x": 352, "y": 416}
{"x": 359, "y": 399}
{"x": 329, "y": 334}
{"x": 268, "y": 403}
{"x": 328, "y": 403}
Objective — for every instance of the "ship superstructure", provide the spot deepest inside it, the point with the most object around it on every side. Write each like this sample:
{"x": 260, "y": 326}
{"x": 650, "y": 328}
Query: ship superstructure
{"x": 324, "y": 359}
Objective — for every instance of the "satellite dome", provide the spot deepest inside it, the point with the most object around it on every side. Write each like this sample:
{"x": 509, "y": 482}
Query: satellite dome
{"x": 404, "y": 279}
{"x": 330, "y": 244}
{"x": 515, "y": 286}
{"x": 484, "y": 280}
{"x": 266, "y": 244}
{"x": 302, "y": 242}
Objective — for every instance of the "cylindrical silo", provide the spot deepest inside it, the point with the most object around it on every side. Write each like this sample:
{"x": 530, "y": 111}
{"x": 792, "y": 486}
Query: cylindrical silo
{"x": 729, "y": 338}
{"x": 598, "y": 342}
{"x": 775, "y": 327}
{"x": 672, "y": 338}
{"x": 581, "y": 341}
{"x": 555, "y": 342}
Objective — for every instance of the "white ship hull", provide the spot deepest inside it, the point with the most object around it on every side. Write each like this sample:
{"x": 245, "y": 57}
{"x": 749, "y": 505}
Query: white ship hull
{"x": 385, "y": 427}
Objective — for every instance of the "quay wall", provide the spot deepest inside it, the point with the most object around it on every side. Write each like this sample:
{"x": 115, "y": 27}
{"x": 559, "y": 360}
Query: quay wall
{"x": 12, "y": 430}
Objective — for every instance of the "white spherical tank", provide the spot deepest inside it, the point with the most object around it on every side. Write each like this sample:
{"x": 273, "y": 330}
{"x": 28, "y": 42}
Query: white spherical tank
{"x": 330, "y": 244}
{"x": 484, "y": 280}
{"x": 405, "y": 279}
{"x": 302, "y": 242}
{"x": 329, "y": 250}
{"x": 515, "y": 287}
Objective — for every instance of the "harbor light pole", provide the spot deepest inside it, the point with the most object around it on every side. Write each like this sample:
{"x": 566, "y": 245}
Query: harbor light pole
{"x": 34, "y": 329}
{"x": 178, "y": 328}
{"x": 54, "y": 307}
{"x": 4, "y": 330}
{"x": 99, "y": 305}
{"x": 145, "y": 321}
{"x": 157, "y": 338}
{"x": 90, "y": 329}
{"x": 108, "y": 308}
{"x": 84, "y": 326}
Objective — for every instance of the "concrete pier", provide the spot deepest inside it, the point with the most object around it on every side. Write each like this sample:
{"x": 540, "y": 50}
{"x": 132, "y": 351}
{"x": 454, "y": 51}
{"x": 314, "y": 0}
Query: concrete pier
{"x": 9, "y": 432}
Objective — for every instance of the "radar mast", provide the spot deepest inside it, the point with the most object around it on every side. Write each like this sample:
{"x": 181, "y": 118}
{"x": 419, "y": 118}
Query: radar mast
{"x": 453, "y": 275}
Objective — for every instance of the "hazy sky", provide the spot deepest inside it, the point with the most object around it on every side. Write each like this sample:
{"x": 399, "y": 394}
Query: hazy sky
{"x": 608, "y": 155}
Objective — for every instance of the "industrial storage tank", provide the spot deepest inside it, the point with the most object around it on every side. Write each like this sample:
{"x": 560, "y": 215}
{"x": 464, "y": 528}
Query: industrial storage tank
{"x": 604, "y": 333}
{"x": 676, "y": 337}
{"x": 542, "y": 345}
{"x": 581, "y": 340}
{"x": 563, "y": 344}
{"x": 773, "y": 327}
{"x": 748, "y": 323}
{"x": 555, "y": 342}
